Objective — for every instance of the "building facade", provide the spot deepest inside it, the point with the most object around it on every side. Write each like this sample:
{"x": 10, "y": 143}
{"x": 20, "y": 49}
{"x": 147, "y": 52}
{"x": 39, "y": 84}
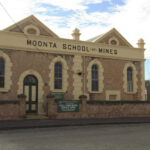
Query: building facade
{"x": 35, "y": 61}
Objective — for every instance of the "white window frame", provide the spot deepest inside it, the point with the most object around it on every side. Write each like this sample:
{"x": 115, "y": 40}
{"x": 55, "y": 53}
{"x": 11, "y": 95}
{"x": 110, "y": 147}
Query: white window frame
{"x": 100, "y": 77}
{"x": 64, "y": 74}
{"x": 134, "y": 77}
{"x": 7, "y": 73}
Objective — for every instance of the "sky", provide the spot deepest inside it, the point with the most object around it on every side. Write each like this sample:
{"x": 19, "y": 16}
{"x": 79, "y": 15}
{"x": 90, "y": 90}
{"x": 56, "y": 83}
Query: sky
{"x": 92, "y": 17}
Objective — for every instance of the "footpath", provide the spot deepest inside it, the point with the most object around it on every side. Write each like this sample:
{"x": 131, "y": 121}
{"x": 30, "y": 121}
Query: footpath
{"x": 46, "y": 123}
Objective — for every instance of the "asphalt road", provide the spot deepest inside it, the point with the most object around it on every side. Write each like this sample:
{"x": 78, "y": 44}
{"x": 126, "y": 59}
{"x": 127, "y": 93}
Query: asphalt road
{"x": 98, "y": 137}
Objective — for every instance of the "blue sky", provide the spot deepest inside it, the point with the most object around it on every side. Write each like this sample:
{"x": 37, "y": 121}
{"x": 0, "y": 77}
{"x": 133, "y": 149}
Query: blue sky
{"x": 147, "y": 69}
{"x": 92, "y": 17}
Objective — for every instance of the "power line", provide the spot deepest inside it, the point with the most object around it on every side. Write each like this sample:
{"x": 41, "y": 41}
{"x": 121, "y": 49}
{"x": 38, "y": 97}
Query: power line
{"x": 7, "y": 12}
{"x": 26, "y": 36}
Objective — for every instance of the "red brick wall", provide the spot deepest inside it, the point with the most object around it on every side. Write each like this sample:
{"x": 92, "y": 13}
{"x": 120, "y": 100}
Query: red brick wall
{"x": 113, "y": 74}
{"x": 9, "y": 111}
{"x": 119, "y": 110}
{"x": 107, "y": 110}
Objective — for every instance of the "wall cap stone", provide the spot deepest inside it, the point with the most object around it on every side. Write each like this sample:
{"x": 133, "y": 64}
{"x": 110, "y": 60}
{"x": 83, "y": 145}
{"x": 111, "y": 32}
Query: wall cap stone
{"x": 9, "y": 102}
{"x": 50, "y": 96}
{"x": 82, "y": 96}
{"x": 21, "y": 96}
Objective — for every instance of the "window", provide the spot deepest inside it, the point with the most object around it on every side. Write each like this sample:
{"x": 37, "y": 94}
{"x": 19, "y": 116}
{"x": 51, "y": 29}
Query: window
{"x": 58, "y": 75}
{"x": 129, "y": 80}
{"x": 31, "y": 29}
{"x": 2, "y": 73}
{"x": 63, "y": 75}
{"x": 5, "y": 72}
{"x": 94, "y": 78}
{"x": 113, "y": 41}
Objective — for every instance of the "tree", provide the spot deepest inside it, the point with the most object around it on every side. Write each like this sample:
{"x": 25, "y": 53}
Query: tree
{"x": 147, "y": 85}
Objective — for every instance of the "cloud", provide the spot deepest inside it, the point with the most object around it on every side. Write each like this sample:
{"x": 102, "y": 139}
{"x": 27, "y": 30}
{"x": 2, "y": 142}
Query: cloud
{"x": 16, "y": 9}
{"x": 65, "y": 4}
{"x": 71, "y": 4}
{"x": 131, "y": 19}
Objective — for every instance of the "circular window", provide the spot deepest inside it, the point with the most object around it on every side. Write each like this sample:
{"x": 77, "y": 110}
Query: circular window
{"x": 31, "y": 29}
{"x": 113, "y": 42}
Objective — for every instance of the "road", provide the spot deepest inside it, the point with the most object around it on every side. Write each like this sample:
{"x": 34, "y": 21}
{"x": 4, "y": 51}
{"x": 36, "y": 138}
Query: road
{"x": 98, "y": 137}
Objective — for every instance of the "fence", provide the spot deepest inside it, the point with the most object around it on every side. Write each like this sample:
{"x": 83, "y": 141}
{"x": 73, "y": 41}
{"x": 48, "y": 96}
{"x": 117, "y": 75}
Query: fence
{"x": 12, "y": 109}
{"x": 101, "y": 109}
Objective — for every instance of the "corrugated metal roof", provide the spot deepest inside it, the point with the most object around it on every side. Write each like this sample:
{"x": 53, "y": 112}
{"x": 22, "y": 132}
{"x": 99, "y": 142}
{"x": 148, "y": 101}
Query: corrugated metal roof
{"x": 95, "y": 38}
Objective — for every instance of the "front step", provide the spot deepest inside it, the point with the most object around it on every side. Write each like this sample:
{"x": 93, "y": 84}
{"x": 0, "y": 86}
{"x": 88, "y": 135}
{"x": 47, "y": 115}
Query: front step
{"x": 36, "y": 116}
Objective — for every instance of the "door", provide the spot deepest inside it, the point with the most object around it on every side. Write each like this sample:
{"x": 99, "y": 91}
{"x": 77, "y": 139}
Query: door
{"x": 30, "y": 89}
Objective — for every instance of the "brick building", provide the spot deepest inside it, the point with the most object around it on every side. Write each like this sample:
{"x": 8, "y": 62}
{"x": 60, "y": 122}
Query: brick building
{"x": 35, "y": 61}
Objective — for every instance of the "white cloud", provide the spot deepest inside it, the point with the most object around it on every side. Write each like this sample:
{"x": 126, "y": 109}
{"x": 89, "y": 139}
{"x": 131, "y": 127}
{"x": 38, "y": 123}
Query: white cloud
{"x": 131, "y": 19}
{"x": 65, "y": 4}
{"x": 71, "y": 4}
{"x": 17, "y": 9}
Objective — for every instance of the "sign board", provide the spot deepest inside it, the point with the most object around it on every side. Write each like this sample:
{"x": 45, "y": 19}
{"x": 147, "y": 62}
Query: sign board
{"x": 70, "y": 47}
{"x": 58, "y": 95}
{"x": 68, "y": 106}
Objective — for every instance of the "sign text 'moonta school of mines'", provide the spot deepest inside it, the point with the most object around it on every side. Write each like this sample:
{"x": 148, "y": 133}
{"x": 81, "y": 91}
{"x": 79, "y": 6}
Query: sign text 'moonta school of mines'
{"x": 80, "y": 48}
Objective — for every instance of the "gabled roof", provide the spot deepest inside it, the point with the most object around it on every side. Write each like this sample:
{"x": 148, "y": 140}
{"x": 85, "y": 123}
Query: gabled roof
{"x": 33, "y": 20}
{"x": 99, "y": 38}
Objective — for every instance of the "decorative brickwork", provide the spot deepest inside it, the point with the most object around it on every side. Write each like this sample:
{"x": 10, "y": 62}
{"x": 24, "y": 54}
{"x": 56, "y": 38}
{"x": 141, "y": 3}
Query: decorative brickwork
{"x": 77, "y": 83}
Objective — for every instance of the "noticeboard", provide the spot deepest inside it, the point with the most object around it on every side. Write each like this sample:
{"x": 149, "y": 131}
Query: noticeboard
{"x": 58, "y": 95}
{"x": 68, "y": 106}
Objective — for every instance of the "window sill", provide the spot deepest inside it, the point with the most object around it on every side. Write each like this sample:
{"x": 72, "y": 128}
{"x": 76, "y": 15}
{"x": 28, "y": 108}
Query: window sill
{"x": 130, "y": 92}
{"x": 3, "y": 90}
{"x": 61, "y": 90}
{"x": 95, "y": 92}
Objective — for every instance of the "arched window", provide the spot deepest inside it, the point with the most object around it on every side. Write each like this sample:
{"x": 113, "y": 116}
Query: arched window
{"x": 58, "y": 75}
{"x": 61, "y": 76}
{"x": 2, "y": 73}
{"x": 94, "y": 78}
{"x": 129, "y": 79}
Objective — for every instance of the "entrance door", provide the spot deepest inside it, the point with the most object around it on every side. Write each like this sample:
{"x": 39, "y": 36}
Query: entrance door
{"x": 30, "y": 89}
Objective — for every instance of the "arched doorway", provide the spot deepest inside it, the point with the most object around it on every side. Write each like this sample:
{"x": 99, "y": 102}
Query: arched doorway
{"x": 30, "y": 89}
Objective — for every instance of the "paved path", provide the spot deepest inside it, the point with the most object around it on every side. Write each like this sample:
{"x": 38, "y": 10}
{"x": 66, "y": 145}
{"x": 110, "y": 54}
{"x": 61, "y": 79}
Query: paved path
{"x": 98, "y": 137}
{"x": 42, "y": 123}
